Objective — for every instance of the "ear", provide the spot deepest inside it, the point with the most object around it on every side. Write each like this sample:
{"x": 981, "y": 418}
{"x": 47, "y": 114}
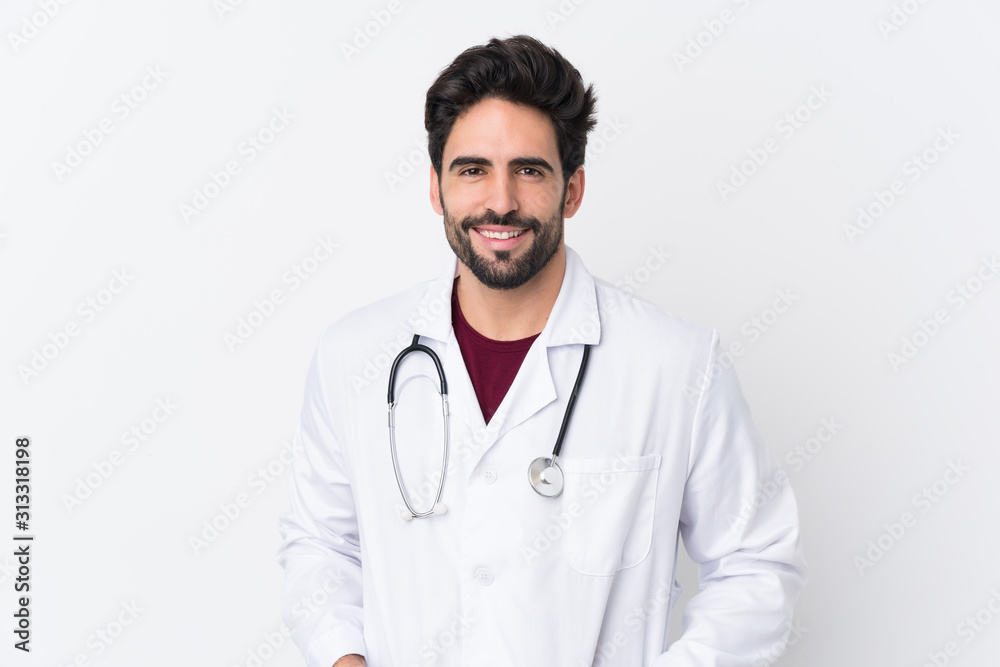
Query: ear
{"x": 436, "y": 192}
{"x": 574, "y": 193}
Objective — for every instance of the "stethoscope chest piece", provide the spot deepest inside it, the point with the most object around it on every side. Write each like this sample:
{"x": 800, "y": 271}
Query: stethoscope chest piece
{"x": 546, "y": 477}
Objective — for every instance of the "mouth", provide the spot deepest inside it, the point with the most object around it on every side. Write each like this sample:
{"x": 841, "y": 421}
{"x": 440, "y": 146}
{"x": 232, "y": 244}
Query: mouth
{"x": 504, "y": 235}
{"x": 497, "y": 237}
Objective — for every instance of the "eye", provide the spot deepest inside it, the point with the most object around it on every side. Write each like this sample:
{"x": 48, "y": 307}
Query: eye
{"x": 530, "y": 171}
{"x": 468, "y": 172}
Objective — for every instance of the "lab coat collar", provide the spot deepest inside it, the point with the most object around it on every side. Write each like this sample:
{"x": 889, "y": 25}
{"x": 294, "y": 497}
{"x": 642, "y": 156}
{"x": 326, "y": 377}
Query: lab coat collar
{"x": 574, "y": 318}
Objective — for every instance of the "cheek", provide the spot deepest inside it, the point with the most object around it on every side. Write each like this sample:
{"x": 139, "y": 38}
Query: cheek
{"x": 545, "y": 203}
{"x": 460, "y": 201}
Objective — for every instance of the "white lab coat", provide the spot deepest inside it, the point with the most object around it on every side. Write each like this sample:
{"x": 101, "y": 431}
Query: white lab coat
{"x": 660, "y": 444}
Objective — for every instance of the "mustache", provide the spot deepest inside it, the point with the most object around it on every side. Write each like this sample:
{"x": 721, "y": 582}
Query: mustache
{"x": 511, "y": 219}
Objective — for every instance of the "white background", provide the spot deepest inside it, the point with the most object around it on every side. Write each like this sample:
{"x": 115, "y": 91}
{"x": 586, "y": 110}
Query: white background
{"x": 672, "y": 131}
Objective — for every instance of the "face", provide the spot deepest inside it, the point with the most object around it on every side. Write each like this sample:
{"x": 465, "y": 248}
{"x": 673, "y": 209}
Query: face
{"x": 501, "y": 193}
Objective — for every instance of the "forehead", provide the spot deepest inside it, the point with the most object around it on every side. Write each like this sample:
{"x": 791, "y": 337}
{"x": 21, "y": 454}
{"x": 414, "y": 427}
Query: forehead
{"x": 500, "y": 130}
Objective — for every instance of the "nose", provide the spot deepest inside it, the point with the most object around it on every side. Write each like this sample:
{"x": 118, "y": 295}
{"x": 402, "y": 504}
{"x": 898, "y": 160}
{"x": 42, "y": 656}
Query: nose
{"x": 502, "y": 195}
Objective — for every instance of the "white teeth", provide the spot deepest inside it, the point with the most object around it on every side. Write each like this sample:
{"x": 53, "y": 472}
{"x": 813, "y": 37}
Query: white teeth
{"x": 500, "y": 235}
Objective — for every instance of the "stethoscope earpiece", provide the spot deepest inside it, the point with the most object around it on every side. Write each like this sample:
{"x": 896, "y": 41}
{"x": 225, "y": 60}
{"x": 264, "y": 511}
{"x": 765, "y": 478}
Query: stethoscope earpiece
{"x": 407, "y": 515}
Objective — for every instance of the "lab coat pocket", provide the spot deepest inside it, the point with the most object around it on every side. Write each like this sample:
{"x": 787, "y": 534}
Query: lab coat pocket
{"x": 611, "y": 503}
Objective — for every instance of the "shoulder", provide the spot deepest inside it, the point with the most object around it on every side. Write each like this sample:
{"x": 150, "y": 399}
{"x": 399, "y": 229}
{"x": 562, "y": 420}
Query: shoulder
{"x": 652, "y": 334}
{"x": 411, "y": 307}
{"x": 359, "y": 347}
{"x": 621, "y": 310}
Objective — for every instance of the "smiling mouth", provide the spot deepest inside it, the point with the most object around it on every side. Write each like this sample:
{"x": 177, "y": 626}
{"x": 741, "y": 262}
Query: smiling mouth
{"x": 501, "y": 235}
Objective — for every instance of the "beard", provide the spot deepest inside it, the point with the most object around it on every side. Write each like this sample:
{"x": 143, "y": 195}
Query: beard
{"x": 499, "y": 270}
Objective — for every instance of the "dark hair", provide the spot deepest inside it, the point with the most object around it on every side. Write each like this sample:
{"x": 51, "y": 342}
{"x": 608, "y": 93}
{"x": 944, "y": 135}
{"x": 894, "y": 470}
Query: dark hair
{"x": 518, "y": 69}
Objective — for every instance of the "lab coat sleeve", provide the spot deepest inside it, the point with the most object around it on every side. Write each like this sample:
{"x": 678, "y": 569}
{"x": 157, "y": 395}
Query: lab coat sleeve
{"x": 740, "y": 524}
{"x": 320, "y": 550}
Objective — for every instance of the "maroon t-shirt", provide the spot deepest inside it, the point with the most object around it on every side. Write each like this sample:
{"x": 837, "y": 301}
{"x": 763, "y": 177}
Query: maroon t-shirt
{"x": 492, "y": 364}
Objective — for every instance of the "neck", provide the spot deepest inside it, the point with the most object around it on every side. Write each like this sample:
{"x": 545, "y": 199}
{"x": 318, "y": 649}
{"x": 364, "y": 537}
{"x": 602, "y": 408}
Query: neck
{"x": 516, "y": 313}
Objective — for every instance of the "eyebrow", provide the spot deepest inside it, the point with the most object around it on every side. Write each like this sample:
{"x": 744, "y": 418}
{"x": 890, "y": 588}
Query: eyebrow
{"x": 526, "y": 161}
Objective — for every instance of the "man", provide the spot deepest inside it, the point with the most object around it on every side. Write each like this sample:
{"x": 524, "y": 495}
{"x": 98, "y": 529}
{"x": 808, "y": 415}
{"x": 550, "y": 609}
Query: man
{"x": 483, "y": 570}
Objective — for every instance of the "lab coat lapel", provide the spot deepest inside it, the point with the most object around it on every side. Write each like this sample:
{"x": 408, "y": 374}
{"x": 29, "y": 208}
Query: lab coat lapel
{"x": 533, "y": 388}
{"x": 531, "y": 391}
{"x": 574, "y": 319}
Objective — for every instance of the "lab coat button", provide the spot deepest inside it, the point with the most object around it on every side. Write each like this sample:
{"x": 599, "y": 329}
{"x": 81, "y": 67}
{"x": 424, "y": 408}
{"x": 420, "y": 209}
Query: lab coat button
{"x": 489, "y": 474}
{"x": 484, "y": 576}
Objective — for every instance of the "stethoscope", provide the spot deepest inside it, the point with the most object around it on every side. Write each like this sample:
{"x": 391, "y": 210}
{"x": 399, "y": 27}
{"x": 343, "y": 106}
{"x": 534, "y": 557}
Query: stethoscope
{"x": 544, "y": 473}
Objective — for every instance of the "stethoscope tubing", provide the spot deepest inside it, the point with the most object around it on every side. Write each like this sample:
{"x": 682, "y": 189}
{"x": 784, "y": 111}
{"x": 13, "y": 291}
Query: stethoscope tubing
{"x": 571, "y": 402}
{"x": 543, "y": 464}
{"x": 416, "y": 347}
